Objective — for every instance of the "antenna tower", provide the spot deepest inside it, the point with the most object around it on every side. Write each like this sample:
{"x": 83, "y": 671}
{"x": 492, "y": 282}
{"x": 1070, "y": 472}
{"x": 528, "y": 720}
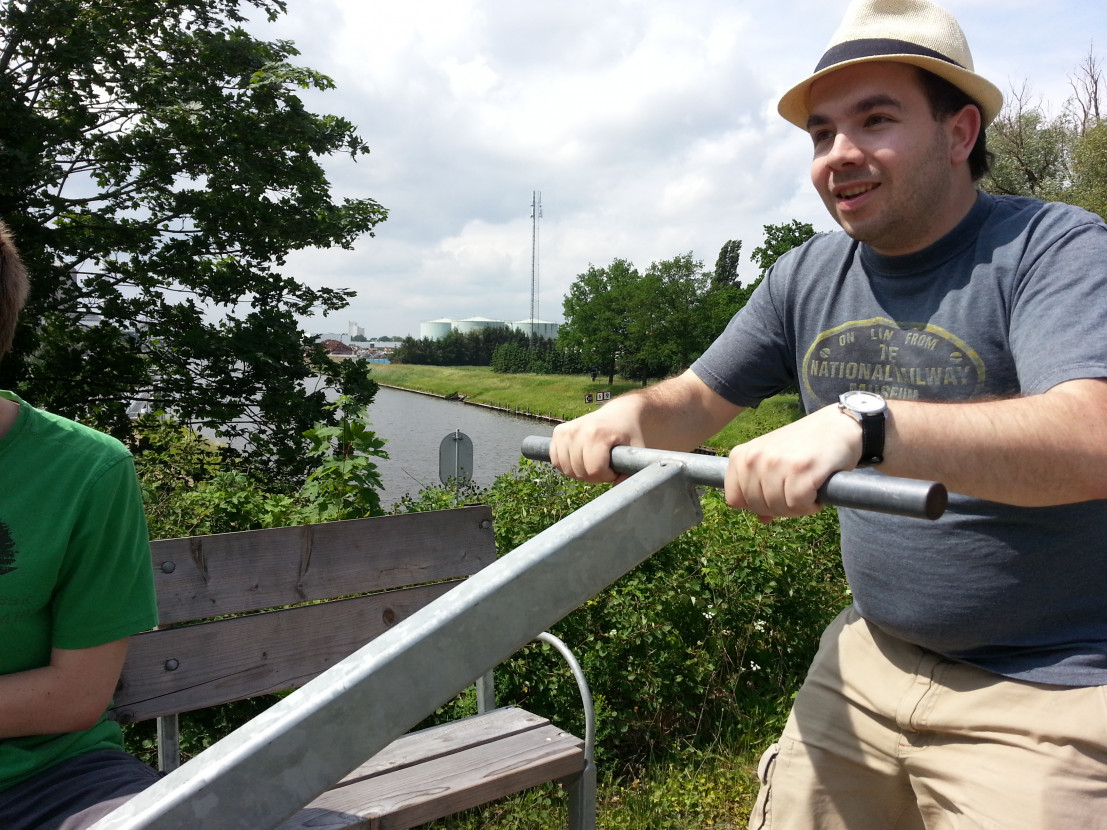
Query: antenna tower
{"x": 535, "y": 215}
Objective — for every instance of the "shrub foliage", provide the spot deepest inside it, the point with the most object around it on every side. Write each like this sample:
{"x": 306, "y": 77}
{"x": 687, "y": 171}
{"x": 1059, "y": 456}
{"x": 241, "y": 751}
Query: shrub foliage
{"x": 712, "y": 634}
{"x": 709, "y": 637}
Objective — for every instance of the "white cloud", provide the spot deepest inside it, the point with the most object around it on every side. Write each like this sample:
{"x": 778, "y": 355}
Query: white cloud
{"x": 648, "y": 126}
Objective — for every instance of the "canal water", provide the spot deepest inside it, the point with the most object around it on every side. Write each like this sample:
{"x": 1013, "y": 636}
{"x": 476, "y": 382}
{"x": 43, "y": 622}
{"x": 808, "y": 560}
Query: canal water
{"x": 414, "y": 426}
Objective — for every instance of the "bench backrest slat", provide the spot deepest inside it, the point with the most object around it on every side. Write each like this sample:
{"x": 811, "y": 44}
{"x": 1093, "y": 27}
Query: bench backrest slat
{"x": 195, "y": 666}
{"x": 231, "y": 573}
{"x": 178, "y": 669}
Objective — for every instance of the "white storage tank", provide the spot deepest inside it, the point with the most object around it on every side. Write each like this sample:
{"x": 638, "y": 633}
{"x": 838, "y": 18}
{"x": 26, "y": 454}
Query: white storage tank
{"x": 477, "y": 324}
{"x": 435, "y": 329}
{"x": 543, "y": 328}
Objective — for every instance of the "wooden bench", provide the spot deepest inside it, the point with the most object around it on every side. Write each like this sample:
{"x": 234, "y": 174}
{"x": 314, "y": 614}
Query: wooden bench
{"x": 247, "y": 614}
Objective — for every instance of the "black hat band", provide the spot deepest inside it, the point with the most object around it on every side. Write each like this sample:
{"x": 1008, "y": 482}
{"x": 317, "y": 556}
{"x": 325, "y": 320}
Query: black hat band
{"x": 876, "y": 47}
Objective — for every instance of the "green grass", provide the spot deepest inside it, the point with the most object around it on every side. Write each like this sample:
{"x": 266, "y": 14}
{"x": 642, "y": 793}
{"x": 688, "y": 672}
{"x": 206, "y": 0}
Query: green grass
{"x": 701, "y": 789}
{"x": 562, "y": 396}
{"x": 559, "y": 396}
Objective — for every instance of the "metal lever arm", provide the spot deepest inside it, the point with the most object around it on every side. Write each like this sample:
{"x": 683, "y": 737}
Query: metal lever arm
{"x": 880, "y": 493}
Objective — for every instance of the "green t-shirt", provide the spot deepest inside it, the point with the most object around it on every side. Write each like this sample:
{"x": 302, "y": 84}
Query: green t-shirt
{"x": 75, "y": 566}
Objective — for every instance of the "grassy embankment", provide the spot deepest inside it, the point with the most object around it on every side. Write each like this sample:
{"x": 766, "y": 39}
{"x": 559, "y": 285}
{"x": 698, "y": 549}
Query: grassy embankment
{"x": 562, "y": 396}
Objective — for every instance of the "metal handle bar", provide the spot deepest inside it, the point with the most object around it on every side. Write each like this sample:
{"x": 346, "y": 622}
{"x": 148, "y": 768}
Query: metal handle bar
{"x": 879, "y": 493}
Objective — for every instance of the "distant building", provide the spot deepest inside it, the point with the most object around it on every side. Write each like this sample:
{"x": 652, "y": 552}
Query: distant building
{"x": 337, "y": 347}
{"x": 354, "y": 330}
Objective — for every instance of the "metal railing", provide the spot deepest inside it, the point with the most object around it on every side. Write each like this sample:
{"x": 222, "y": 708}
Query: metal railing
{"x": 863, "y": 490}
{"x": 267, "y": 770}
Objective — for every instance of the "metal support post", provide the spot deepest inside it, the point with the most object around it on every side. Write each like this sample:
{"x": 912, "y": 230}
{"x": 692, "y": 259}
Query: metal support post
{"x": 486, "y": 693}
{"x": 169, "y": 743}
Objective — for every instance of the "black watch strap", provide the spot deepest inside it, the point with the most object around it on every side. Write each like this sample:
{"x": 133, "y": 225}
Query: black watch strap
{"x": 872, "y": 439}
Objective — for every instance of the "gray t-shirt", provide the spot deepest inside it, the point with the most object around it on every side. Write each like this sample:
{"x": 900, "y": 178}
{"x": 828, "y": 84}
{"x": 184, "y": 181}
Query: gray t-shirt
{"x": 1011, "y": 302}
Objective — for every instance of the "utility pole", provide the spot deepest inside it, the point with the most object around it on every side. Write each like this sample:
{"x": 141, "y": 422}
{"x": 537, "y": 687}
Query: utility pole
{"x": 535, "y": 215}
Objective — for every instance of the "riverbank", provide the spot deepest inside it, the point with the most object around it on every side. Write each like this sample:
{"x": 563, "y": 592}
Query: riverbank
{"x": 516, "y": 410}
{"x": 556, "y": 398}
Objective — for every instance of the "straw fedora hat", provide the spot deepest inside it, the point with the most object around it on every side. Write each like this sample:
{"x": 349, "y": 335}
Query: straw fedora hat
{"x": 906, "y": 31}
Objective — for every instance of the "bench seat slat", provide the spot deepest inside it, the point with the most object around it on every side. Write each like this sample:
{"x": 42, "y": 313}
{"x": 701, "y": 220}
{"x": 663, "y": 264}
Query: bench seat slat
{"x": 447, "y": 739}
{"x": 446, "y": 784}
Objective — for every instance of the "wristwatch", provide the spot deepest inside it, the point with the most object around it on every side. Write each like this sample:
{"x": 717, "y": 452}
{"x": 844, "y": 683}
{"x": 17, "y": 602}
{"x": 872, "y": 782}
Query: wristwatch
{"x": 871, "y": 411}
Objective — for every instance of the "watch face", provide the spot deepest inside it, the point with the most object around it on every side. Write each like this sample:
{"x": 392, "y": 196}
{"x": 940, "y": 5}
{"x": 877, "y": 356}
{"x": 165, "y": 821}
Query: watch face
{"x": 866, "y": 403}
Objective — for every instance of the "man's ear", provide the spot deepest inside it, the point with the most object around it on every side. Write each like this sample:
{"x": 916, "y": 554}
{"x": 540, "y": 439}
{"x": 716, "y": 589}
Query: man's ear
{"x": 963, "y": 128}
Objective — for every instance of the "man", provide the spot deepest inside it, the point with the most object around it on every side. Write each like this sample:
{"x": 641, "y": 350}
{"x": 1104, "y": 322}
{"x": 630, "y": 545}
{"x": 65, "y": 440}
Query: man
{"x": 946, "y": 335}
{"x": 75, "y": 582}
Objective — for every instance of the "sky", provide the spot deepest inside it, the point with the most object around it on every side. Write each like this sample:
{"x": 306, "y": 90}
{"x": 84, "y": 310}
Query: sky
{"x": 648, "y": 126}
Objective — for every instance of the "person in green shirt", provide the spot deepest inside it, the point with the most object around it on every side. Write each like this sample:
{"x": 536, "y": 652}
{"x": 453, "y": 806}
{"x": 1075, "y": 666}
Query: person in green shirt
{"x": 75, "y": 582}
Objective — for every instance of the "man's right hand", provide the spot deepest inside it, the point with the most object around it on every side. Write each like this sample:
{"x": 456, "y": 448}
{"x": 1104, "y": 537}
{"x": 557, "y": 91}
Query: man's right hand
{"x": 677, "y": 414}
{"x": 581, "y": 448}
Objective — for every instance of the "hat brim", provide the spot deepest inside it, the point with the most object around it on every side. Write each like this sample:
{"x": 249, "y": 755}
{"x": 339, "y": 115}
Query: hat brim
{"x": 795, "y": 104}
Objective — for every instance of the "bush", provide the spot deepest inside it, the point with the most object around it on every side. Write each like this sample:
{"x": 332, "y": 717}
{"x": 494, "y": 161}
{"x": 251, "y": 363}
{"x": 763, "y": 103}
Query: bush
{"x": 538, "y": 356}
{"x": 192, "y": 486}
{"x": 711, "y": 635}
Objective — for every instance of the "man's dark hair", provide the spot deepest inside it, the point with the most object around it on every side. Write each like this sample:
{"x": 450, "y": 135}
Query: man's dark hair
{"x": 13, "y": 288}
{"x": 945, "y": 100}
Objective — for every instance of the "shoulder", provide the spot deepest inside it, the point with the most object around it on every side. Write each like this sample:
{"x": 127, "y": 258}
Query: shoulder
{"x": 827, "y": 246}
{"x": 1015, "y": 217}
{"x": 810, "y": 264}
{"x": 62, "y": 438}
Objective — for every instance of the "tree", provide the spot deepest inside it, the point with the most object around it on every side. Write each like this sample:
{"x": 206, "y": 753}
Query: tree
{"x": 471, "y": 348}
{"x": 779, "y": 240}
{"x": 725, "y": 295}
{"x": 157, "y": 166}
{"x": 726, "y": 267}
{"x": 1089, "y": 170}
{"x": 536, "y": 355}
{"x": 1031, "y": 152}
{"x": 1086, "y": 103}
{"x": 597, "y": 311}
{"x": 1058, "y": 158}
{"x": 664, "y": 334}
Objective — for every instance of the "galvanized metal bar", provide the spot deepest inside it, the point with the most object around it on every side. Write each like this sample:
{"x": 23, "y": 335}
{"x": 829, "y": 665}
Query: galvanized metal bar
{"x": 862, "y": 490}
{"x": 265, "y": 771}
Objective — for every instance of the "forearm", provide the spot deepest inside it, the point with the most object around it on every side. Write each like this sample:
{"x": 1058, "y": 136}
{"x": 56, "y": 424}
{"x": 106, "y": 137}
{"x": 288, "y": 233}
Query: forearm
{"x": 68, "y": 695}
{"x": 33, "y": 704}
{"x": 1033, "y": 451}
{"x": 680, "y": 414}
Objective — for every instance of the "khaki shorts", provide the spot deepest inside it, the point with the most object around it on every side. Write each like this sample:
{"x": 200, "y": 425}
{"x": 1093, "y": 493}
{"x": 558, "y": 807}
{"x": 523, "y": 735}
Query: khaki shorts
{"x": 887, "y": 736}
